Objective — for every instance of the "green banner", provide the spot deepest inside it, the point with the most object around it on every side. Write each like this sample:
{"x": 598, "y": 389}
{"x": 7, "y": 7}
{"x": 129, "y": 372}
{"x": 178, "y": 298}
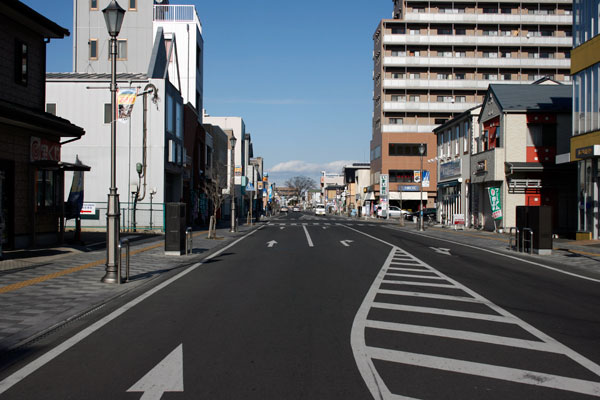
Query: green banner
{"x": 495, "y": 202}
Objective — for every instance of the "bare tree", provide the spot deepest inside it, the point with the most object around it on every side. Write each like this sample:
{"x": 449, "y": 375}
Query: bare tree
{"x": 301, "y": 184}
{"x": 214, "y": 191}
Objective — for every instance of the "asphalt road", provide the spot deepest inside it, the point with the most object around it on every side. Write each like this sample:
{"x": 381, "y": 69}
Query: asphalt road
{"x": 322, "y": 308}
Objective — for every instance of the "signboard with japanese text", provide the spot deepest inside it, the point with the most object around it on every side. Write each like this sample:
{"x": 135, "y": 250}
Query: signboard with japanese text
{"x": 384, "y": 180}
{"x": 495, "y": 202}
{"x": 126, "y": 99}
{"x": 44, "y": 150}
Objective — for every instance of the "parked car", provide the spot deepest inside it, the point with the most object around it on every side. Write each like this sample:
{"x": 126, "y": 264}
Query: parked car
{"x": 397, "y": 212}
{"x": 320, "y": 209}
{"x": 428, "y": 214}
{"x": 284, "y": 209}
{"x": 296, "y": 209}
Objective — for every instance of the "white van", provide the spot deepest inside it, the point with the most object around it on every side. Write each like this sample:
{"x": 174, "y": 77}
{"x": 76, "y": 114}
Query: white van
{"x": 320, "y": 209}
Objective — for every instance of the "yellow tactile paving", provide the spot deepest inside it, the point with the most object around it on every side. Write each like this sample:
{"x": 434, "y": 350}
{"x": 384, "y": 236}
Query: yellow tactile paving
{"x": 39, "y": 279}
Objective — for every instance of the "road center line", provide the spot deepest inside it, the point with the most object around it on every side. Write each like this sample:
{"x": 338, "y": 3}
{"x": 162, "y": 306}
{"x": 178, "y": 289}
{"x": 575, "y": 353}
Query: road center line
{"x": 310, "y": 243}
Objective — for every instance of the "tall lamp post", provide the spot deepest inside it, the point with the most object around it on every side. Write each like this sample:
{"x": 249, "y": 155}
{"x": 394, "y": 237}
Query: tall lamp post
{"x": 113, "y": 16}
{"x": 232, "y": 141}
{"x": 421, "y": 151}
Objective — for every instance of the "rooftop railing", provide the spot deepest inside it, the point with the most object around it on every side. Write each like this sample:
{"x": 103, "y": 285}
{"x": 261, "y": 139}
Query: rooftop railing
{"x": 176, "y": 13}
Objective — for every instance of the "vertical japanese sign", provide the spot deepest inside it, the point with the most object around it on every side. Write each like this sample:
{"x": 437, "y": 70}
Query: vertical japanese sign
{"x": 126, "y": 100}
{"x": 495, "y": 202}
{"x": 426, "y": 179}
{"x": 383, "y": 185}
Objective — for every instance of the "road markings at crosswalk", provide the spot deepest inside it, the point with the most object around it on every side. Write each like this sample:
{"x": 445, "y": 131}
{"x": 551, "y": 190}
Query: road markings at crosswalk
{"x": 411, "y": 286}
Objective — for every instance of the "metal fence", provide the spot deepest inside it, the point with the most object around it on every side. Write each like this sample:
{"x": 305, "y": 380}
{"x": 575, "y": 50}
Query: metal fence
{"x": 174, "y": 13}
{"x": 147, "y": 217}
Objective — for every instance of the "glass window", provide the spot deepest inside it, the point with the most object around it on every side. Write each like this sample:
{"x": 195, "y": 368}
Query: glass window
{"x": 132, "y": 4}
{"x": 107, "y": 113}
{"x": 122, "y": 49}
{"x": 45, "y": 189}
{"x": 170, "y": 110}
{"x": 51, "y": 108}
{"x": 179, "y": 122}
{"x": 406, "y": 176}
{"x": 93, "y": 49}
{"x": 21, "y": 62}
{"x": 466, "y": 138}
{"x": 93, "y": 4}
{"x": 405, "y": 149}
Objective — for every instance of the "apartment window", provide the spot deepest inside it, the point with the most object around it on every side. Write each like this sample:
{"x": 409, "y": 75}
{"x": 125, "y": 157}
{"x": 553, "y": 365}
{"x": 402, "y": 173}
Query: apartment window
{"x": 546, "y": 55}
{"x": 415, "y": 53}
{"x": 546, "y": 33}
{"x": 122, "y": 49}
{"x": 445, "y": 99}
{"x": 461, "y": 99}
{"x": 534, "y": 55}
{"x": 460, "y": 32}
{"x": 398, "y": 53}
{"x": 398, "y": 31}
{"x": 398, "y": 75}
{"x": 460, "y": 54}
{"x": 490, "y": 54}
{"x": 413, "y": 75}
{"x": 406, "y": 176}
{"x": 93, "y": 43}
{"x": 445, "y": 54}
{"x": 21, "y": 62}
{"x": 506, "y": 10}
{"x": 490, "y": 10}
{"x": 506, "y": 77}
{"x": 440, "y": 121}
{"x": 107, "y": 113}
{"x": 490, "y": 77}
{"x": 51, "y": 108}
{"x": 444, "y": 76}
{"x": 419, "y": 10}
{"x": 415, "y": 32}
{"x": 398, "y": 98}
{"x": 132, "y": 5}
{"x": 93, "y": 4}
{"x": 375, "y": 153}
{"x": 460, "y": 76}
{"x": 506, "y": 54}
{"x": 170, "y": 110}
{"x": 414, "y": 98}
{"x": 405, "y": 149}
{"x": 490, "y": 32}
{"x": 396, "y": 121}
{"x": 506, "y": 32}
{"x": 456, "y": 140}
{"x": 444, "y": 31}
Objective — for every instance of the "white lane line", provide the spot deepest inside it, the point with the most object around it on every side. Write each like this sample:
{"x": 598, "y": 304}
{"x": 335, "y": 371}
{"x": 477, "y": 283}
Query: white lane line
{"x": 294, "y": 224}
{"x": 308, "y": 239}
{"x": 437, "y": 278}
{"x": 431, "y": 296}
{"x": 410, "y": 269}
{"x": 488, "y": 371}
{"x": 462, "y": 335}
{"x": 315, "y": 223}
{"x": 443, "y": 311}
{"x": 33, "y": 366}
{"x": 411, "y": 283}
{"x": 587, "y": 278}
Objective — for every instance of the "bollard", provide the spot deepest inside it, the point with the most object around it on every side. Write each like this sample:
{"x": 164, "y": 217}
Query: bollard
{"x": 514, "y": 239}
{"x": 189, "y": 244}
{"x": 124, "y": 242}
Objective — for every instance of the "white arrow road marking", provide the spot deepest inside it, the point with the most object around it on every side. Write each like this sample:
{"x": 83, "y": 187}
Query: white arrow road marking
{"x": 271, "y": 243}
{"x": 441, "y": 250}
{"x": 281, "y": 227}
{"x": 324, "y": 227}
{"x": 346, "y": 242}
{"x": 167, "y": 376}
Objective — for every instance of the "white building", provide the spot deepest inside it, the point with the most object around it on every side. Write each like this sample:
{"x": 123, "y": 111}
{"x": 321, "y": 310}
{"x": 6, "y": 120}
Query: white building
{"x": 160, "y": 47}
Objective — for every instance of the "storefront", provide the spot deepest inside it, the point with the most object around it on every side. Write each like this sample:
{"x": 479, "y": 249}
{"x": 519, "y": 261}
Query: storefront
{"x": 588, "y": 195}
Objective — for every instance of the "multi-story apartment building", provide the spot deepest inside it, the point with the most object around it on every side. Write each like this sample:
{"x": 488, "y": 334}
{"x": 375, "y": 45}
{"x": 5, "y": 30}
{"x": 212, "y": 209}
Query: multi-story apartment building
{"x": 585, "y": 143}
{"x": 435, "y": 59}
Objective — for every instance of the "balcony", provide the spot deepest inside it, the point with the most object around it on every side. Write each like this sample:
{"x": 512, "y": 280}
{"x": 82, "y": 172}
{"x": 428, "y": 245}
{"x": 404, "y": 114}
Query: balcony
{"x": 427, "y": 106}
{"x": 512, "y": 19}
{"x": 448, "y": 84}
{"x": 470, "y": 40}
{"x": 177, "y": 13}
{"x": 408, "y": 128}
{"x": 472, "y": 62}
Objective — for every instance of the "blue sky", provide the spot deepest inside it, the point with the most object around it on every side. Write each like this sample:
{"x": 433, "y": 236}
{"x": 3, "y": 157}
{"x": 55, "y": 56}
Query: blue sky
{"x": 298, "y": 72}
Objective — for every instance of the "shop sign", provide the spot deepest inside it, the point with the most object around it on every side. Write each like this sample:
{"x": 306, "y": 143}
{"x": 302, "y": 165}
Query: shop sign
{"x": 425, "y": 179}
{"x": 88, "y": 209}
{"x": 459, "y": 219}
{"x": 383, "y": 184}
{"x": 495, "y": 202}
{"x": 586, "y": 152}
{"x": 44, "y": 150}
{"x": 450, "y": 169}
{"x": 238, "y": 170}
{"x": 408, "y": 188}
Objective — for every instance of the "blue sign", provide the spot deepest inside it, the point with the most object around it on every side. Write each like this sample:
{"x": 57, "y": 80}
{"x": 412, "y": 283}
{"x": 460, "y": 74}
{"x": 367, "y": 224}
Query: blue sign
{"x": 408, "y": 188}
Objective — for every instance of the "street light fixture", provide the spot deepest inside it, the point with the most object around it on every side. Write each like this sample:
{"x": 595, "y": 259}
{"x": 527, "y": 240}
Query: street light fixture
{"x": 232, "y": 141}
{"x": 421, "y": 152}
{"x": 113, "y": 16}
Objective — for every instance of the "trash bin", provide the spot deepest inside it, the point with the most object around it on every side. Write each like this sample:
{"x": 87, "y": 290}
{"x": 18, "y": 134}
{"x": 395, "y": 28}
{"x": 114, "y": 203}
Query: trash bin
{"x": 175, "y": 217}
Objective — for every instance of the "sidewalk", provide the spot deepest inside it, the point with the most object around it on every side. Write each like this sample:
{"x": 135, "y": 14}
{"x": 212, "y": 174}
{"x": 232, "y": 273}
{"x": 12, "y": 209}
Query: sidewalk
{"x": 42, "y": 289}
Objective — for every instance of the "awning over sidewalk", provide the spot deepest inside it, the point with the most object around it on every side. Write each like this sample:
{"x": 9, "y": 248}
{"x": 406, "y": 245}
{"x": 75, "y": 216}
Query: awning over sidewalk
{"x": 408, "y": 196}
{"x": 513, "y": 167}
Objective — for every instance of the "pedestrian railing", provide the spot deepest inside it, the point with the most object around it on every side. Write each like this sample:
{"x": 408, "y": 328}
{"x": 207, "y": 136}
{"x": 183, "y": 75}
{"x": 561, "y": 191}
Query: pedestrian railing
{"x": 527, "y": 239}
{"x": 123, "y": 243}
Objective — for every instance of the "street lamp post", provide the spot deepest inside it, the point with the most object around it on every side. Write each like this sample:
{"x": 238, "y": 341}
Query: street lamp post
{"x": 113, "y": 16}
{"x": 232, "y": 141}
{"x": 421, "y": 151}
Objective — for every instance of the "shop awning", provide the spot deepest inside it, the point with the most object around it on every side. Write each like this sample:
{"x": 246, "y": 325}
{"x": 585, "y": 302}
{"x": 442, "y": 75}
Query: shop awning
{"x": 60, "y": 166}
{"x": 453, "y": 182}
{"x": 408, "y": 196}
